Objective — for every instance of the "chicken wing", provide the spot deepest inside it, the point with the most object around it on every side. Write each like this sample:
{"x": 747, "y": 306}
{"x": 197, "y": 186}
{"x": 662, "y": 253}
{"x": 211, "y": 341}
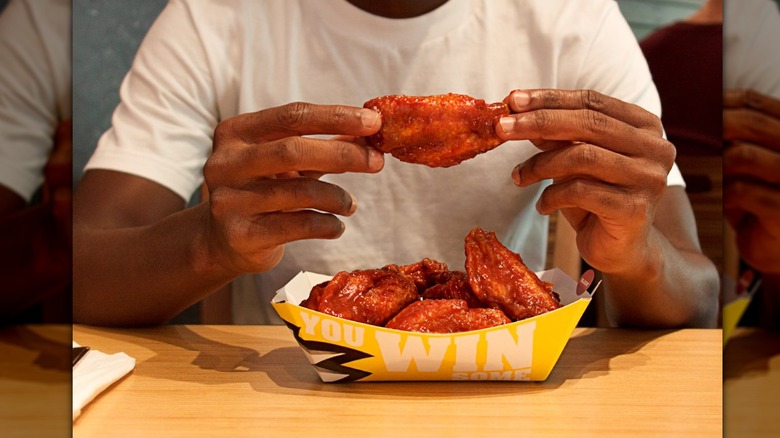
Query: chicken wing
{"x": 450, "y": 286}
{"x": 445, "y": 316}
{"x": 438, "y": 131}
{"x": 372, "y": 296}
{"x": 425, "y": 273}
{"x": 500, "y": 279}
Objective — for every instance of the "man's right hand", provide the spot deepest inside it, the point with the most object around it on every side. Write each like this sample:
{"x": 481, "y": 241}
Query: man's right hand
{"x": 263, "y": 185}
{"x": 140, "y": 256}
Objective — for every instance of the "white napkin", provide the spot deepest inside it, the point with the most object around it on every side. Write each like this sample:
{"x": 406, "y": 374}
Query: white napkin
{"x": 95, "y": 372}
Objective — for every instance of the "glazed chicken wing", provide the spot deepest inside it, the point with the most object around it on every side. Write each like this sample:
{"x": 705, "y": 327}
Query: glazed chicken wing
{"x": 501, "y": 280}
{"x": 445, "y": 316}
{"x": 425, "y": 273}
{"x": 372, "y": 296}
{"x": 438, "y": 131}
{"x": 450, "y": 286}
{"x": 435, "y": 281}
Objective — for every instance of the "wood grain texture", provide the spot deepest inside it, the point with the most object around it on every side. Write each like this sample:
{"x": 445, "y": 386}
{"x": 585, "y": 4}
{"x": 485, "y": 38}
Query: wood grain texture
{"x": 751, "y": 387}
{"x": 255, "y": 381}
{"x": 35, "y": 381}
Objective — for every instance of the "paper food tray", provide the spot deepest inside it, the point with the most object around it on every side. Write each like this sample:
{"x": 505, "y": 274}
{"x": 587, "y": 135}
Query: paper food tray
{"x": 344, "y": 351}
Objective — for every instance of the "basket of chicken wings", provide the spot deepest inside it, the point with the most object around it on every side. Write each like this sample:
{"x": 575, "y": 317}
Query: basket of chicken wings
{"x": 495, "y": 320}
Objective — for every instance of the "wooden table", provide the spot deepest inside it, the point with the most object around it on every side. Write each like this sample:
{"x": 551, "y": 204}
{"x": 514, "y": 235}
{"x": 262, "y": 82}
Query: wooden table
{"x": 255, "y": 381}
{"x": 751, "y": 387}
{"x": 35, "y": 381}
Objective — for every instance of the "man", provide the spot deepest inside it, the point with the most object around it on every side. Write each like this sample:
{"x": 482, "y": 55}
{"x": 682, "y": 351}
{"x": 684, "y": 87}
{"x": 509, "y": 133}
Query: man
{"x": 35, "y": 158}
{"x": 204, "y": 70}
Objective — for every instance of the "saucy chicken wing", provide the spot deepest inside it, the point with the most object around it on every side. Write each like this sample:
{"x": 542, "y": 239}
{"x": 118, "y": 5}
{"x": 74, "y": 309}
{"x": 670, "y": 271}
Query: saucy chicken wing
{"x": 372, "y": 296}
{"x": 445, "y": 316}
{"x": 452, "y": 285}
{"x": 425, "y": 273}
{"x": 438, "y": 131}
{"x": 500, "y": 279}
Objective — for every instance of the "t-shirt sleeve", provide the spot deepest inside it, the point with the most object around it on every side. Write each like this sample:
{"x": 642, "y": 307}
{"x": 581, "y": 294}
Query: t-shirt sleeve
{"x": 28, "y": 98}
{"x": 162, "y": 128}
{"x": 752, "y": 46}
{"x": 614, "y": 65}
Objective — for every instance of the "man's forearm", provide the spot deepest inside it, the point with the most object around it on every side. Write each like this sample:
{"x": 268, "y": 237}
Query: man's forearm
{"x": 675, "y": 288}
{"x": 143, "y": 275}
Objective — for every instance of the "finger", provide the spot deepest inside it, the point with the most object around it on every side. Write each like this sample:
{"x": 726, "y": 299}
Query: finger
{"x": 576, "y": 217}
{"x": 744, "y": 124}
{"x": 589, "y": 127}
{"x": 297, "y": 119}
{"x": 610, "y": 203}
{"x": 758, "y": 244}
{"x": 752, "y": 100}
{"x": 547, "y": 145}
{"x": 758, "y": 199}
{"x": 282, "y": 195}
{"x": 273, "y": 229}
{"x": 633, "y": 115}
{"x": 749, "y": 160}
{"x": 586, "y": 160}
{"x": 292, "y": 154}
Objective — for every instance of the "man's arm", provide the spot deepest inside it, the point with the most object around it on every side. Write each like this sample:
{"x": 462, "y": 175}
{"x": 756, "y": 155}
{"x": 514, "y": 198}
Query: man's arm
{"x": 140, "y": 257}
{"x": 35, "y": 256}
{"x": 609, "y": 162}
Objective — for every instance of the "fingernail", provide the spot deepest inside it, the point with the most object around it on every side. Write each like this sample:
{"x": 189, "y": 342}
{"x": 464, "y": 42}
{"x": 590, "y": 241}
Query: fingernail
{"x": 353, "y": 207}
{"x": 376, "y": 160}
{"x": 369, "y": 118}
{"x": 521, "y": 99}
{"x": 507, "y": 123}
{"x": 516, "y": 176}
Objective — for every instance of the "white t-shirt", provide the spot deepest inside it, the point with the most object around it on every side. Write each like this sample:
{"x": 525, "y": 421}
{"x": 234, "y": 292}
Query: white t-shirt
{"x": 751, "y": 49}
{"x": 205, "y": 61}
{"x": 35, "y": 88}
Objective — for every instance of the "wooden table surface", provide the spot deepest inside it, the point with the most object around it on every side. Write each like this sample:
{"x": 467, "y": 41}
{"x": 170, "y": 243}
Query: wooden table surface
{"x": 751, "y": 386}
{"x": 35, "y": 381}
{"x": 255, "y": 381}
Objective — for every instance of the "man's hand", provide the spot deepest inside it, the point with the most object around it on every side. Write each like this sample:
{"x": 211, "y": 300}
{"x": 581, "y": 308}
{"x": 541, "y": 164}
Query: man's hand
{"x": 136, "y": 239}
{"x": 751, "y": 172}
{"x": 262, "y": 179}
{"x": 608, "y": 162}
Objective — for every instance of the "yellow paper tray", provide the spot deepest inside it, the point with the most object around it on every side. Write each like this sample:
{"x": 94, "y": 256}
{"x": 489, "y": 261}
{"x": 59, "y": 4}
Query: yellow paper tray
{"x": 737, "y": 295}
{"x": 344, "y": 351}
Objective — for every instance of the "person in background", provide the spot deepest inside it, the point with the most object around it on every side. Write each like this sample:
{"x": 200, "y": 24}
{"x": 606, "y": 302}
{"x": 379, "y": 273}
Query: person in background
{"x": 35, "y": 162}
{"x": 208, "y": 101}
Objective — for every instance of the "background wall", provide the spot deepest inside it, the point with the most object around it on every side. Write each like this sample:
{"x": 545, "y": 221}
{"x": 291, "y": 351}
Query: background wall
{"x": 644, "y": 16}
{"x": 106, "y": 35}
